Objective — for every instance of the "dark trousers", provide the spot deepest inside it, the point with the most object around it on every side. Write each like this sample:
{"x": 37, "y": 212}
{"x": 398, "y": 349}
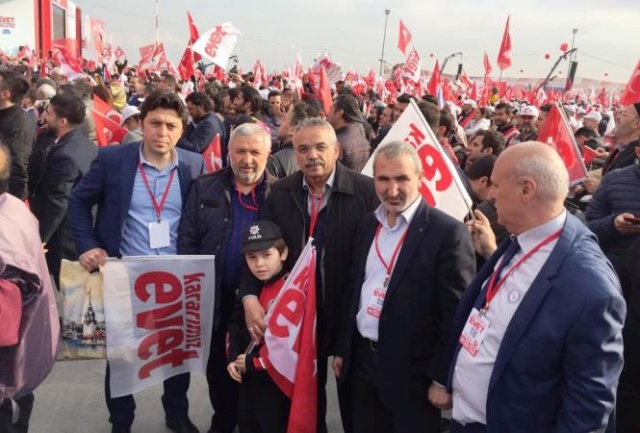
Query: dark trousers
{"x": 262, "y": 406}
{"x": 369, "y": 414}
{"x": 469, "y": 428}
{"x": 174, "y": 401}
{"x": 223, "y": 391}
{"x": 628, "y": 405}
{"x": 25, "y": 405}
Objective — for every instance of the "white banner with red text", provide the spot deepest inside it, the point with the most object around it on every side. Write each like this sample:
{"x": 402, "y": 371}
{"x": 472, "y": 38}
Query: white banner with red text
{"x": 159, "y": 316}
{"x": 441, "y": 186}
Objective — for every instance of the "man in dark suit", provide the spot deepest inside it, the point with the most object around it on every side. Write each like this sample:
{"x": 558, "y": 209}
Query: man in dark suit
{"x": 54, "y": 172}
{"x": 537, "y": 338}
{"x": 204, "y": 126}
{"x": 411, "y": 264}
{"x": 139, "y": 189}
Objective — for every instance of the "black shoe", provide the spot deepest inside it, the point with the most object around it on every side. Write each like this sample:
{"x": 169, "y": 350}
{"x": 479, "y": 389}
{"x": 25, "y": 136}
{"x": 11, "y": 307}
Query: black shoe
{"x": 120, "y": 429}
{"x": 184, "y": 426}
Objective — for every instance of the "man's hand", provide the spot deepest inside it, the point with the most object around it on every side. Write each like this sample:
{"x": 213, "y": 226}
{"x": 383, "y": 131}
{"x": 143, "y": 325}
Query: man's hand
{"x": 439, "y": 397}
{"x": 626, "y": 223}
{"x": 592, "y": 183}
{"x": 337, "y": 365}
{"x": 93, "y": 259}
{"x": 254, "y": 317}
{"x": 484, "y": 240}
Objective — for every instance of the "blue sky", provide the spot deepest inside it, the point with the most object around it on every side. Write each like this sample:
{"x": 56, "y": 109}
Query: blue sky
{"x": 352, "y": 31}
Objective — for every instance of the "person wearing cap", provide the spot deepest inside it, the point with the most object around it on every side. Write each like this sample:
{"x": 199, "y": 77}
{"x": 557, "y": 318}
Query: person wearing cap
{"x": 592, "y": 121}
{"x": 127, "y": 184}
{"x": 204, "y": 126}
{"x": 411, "y": 264}
{"x": 131, "y": 121}
{"x": 468, "y": 112}
{"x": 262, "y": 406}
{"x": 218, "y": 209}
{"x": 527, "y": 124}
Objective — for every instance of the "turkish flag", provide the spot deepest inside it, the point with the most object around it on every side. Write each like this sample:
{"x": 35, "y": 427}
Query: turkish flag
{"x": 557, "y": 133}
{"x": 97, "y": 33}
{"x": 68, "y": 63}
{"x": 404, "y": 38}
{"x": 108, "y": 129}
{"x": 435, "y": 80}
{"x": 631, "y": 93}
{"x": 474, "y": 91}
{"x": 194, "y": 35}
{"x": 588, "y": 154}
{"x": 213, "y": 155}
{"x": 119, "y": 52}
{"x": 487, "y": 64}
{"x": 504, "y": 56}
{"x": 324, "y": 91}
{"x": 289, "y": 351}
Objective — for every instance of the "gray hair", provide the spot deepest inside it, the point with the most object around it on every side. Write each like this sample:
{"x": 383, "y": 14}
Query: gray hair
{"x": 396, "y": 148}
{"x": 548, "y": 171}
{"x": 5, "y": 169}
{"x": 249, "y": 129}
{"x": 316, "y": 122}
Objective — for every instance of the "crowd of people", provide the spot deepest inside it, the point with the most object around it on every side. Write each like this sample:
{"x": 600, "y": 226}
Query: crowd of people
{"x": 513, "y": 319}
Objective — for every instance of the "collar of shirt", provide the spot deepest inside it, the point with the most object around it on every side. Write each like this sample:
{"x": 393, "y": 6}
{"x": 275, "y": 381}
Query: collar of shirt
{"x": 529, "y": 239}
{"x": 327, "y": 186}
{"x": 406, "y": 216}
{"x": 174, "y": 159}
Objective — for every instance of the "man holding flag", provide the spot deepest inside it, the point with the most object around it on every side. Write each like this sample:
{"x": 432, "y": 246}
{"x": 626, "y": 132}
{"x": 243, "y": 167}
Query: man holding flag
{"x": 411, "y": 264}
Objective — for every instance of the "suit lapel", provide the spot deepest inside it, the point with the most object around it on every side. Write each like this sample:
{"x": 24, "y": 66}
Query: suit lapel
{"x": 417, "y": 230}
{"x": 532, "y": 301}
{"x": 128, "y": 170}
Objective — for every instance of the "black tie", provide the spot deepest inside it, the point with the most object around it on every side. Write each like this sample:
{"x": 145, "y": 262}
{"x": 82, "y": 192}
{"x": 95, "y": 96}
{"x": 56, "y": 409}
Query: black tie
{"x": 511, "y": 251}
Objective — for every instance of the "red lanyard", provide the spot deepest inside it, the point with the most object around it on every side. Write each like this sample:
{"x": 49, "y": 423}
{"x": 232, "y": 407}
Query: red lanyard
{"x": 156, "y": 206}
{"x": 388, "y": 267}
{"x": 316, "y": 204}
{"x": 251, "y": 207}
{"x": 493, "y": 287}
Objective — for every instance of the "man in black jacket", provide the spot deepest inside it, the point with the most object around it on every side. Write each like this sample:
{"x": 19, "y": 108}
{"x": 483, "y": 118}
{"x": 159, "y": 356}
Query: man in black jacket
{"x": 16, "y": 130}
{"x": 204, "y": 126}
{"x": 55, "y": 172}
{"x": 326, "y": 201}
{"x": 219, "y": 207}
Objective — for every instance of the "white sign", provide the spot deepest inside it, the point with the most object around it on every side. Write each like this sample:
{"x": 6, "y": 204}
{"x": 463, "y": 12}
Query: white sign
{"x": 217, "y": 44}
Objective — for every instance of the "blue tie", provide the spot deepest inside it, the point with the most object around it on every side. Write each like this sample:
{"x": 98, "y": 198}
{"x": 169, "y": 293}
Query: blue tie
{"x": 509, "y": 253}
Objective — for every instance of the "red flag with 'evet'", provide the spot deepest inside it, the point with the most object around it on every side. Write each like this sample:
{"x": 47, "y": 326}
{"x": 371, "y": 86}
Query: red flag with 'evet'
{"x": 213, "y": 155}
{"x": 504, "y": 56}
{"x": 289, "y": 352}
{"x": 404, "y": 38}
{"x": 324, "y": 91}
{"x": 108, "y": 129}
{"x": 631, "y": 93}
{"x": 557, "y": 133}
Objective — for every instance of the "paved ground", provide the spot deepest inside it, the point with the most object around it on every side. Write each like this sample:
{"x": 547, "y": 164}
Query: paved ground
{"x": 71, "y": 400}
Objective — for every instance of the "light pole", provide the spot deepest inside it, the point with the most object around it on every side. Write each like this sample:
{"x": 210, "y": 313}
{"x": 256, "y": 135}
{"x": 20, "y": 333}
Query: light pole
{"x": 384, "y": 37}
{"x": 573, "y": 40}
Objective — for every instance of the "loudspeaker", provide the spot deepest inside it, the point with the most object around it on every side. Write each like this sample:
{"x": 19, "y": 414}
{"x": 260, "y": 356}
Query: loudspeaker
{"x": 571, "y": 77}
{"x": 459, "y": 71}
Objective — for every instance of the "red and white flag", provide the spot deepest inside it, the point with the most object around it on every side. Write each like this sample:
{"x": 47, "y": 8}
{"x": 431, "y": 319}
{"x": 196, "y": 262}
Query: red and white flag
{"x": 404, "y": 38}
{"x": 557, "y": 133}
{"x": 504, "y": 56}
{"x": 97, "y": 33}
{"x": 412, "y": 66}
{"x": 631, "y": 93}
{"x": 588, "y": 154}
{"x": 146, "y": 54}
{"x": 435, "y": 80}
{"x": 259, "y": 75}
{"x": 213, "y": 155}
{"x": 194, "y": 35}
{"x": 441, "y": 186}
{"x": 69, "y": 65}
{"x": 324, "y": 92}
{"x": 290, "y": 347}
{"x": 119, "y": 52}
{"x": 487, "y": 65}
{"x": 108, "y": 129}
{"x": 331, "y": 68}
{"x": 541, "y": 97}
{"x": 158, "y": 313}
{"x": 217, "y": 44}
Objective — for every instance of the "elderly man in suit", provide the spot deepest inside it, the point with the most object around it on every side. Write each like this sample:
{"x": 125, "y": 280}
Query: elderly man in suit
{"x": 411, "y": 263}
{"x": 537, "y": 338}
{"x": 139, "y": 189}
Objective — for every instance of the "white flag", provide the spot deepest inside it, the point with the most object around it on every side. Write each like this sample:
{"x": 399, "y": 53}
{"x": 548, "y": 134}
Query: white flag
{"x": 441, "y": 185}
{"x": 217, "y": 44}
{"x": 413, "y": 66}
{"x": 158, "y": 313}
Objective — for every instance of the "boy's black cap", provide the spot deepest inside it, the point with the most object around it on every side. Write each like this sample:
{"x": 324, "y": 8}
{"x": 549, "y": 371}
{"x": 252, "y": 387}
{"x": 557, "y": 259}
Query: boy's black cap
{"x": 260, "y": 236}
{"x": 481, "y": 167}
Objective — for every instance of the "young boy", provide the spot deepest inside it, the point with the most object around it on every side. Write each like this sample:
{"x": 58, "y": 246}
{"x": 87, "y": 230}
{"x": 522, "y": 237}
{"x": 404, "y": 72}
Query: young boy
{"x": 262, "y": 406}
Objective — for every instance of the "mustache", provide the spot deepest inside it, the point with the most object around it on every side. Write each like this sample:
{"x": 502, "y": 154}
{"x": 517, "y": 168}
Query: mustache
{"x": 314, "y": 163}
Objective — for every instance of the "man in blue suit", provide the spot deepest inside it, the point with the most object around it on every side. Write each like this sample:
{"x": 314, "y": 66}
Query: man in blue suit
{"x": 537, "y": 338}
{"x": 139, "y": 189}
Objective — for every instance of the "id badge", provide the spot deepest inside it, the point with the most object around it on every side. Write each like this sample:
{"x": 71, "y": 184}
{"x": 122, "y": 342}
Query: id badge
{"x": 474, "y": 332}
{"x": 376, "y": 302}
{"x": 159, "y": 234}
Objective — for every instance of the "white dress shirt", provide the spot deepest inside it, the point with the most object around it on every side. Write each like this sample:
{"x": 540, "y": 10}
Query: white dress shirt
{"x": 471, "y": 375}
{"x": 375, "y": 270}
